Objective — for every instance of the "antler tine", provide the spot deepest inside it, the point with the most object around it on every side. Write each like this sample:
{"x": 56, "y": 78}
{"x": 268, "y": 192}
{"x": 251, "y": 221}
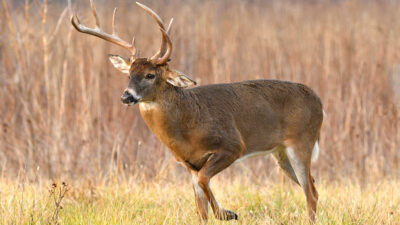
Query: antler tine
{"x": 113, "y": 22}
{"x": 96, "y": 18}
{"x": 169, "y": 25}
{"x": 165, "y": 43}
{"x": 99, "y": 33}
{"x": 136, "y": 53}
{"x": 168, "y": 52}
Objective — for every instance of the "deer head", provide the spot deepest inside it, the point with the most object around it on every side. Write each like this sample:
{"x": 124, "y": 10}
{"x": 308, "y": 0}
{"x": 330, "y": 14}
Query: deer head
{"x": 147, "y": 76}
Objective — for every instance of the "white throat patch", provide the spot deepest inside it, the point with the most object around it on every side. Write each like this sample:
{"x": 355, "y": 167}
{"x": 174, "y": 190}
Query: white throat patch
{"x": 146, "y": 106}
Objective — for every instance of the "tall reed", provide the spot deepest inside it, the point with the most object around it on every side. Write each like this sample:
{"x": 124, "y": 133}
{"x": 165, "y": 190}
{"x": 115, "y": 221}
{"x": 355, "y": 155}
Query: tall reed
{"x": 60, "y": 109}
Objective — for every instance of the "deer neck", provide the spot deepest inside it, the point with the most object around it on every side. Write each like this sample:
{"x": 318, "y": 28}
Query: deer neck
{"x": 165, "y": 115}
{"x": 166, "y": 101}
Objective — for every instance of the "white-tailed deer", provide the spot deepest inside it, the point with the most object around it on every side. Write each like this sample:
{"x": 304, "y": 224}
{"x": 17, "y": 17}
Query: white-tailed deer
{"x": 207, "y": 128}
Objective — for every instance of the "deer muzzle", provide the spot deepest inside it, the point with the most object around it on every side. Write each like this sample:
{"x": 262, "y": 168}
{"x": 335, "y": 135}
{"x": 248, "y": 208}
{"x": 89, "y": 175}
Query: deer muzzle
{"x": 128, "y": 99}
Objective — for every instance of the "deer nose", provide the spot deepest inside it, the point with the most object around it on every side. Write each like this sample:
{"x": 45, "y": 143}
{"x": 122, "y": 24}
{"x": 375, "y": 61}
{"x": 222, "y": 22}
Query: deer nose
{"x": 127, "y": 98}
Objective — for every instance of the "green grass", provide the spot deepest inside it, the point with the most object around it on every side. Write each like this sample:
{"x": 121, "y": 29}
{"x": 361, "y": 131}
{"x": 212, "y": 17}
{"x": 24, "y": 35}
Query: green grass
{"x": 170, "y": 203}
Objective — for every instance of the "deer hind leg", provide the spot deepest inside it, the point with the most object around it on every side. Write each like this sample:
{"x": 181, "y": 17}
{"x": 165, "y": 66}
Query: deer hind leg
{"x": 214, "y": 165}
{"x": 283, "y": 162}
{"x": 300, "y": 159}
{"x": 201, "y": 200}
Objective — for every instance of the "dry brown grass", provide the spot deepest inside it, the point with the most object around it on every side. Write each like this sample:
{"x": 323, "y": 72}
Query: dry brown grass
{"x": 60, "y": 109}
{"x": 135, "y": 202}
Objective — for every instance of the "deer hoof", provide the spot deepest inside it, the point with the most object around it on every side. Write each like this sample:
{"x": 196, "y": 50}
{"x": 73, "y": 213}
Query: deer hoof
{"x": 227, "y": 215}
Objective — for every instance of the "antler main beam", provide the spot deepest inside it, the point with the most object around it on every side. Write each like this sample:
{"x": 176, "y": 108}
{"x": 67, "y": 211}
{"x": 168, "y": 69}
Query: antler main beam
{"x": 98, "y": 32}
{"x": 162, "y": 55}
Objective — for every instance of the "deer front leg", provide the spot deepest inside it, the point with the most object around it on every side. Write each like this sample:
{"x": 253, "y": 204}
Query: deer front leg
{"x": 216, "y": 163}
{"x": 201, "y": 200}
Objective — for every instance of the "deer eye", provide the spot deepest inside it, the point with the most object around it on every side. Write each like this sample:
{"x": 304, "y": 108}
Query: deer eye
{"x": 150, "y": 76}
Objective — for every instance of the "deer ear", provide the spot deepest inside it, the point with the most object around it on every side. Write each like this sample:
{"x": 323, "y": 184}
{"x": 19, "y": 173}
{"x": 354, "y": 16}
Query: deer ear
{"x": 179, "y": 79}
{"x": 121, "y": 63}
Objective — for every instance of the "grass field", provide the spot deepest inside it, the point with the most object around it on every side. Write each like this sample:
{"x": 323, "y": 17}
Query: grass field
{"x": 133, "y": 202}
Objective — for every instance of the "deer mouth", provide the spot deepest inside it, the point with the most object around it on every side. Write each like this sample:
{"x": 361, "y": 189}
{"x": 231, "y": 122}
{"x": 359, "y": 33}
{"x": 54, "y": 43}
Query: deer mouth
{"x": 128, "y": 99}
{"x": 130, "y": 103}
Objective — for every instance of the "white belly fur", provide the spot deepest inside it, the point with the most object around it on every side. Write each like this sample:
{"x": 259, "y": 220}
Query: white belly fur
{"x": 314, "y": 156}
{"x": 254, "y": 154}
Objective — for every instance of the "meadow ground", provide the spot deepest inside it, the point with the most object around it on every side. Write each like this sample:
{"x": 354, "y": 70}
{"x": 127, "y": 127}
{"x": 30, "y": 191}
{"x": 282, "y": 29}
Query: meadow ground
{"x": 132, "y": 202}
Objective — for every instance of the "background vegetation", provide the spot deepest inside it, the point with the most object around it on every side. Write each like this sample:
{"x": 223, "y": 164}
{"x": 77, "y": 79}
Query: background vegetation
{"x": 60, "y": 108}
{"x": 61, "y": 117}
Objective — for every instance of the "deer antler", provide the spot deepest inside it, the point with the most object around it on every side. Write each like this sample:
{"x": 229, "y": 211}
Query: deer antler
{"x": 101, "y": 34}
{"x": 164, "y": 53}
